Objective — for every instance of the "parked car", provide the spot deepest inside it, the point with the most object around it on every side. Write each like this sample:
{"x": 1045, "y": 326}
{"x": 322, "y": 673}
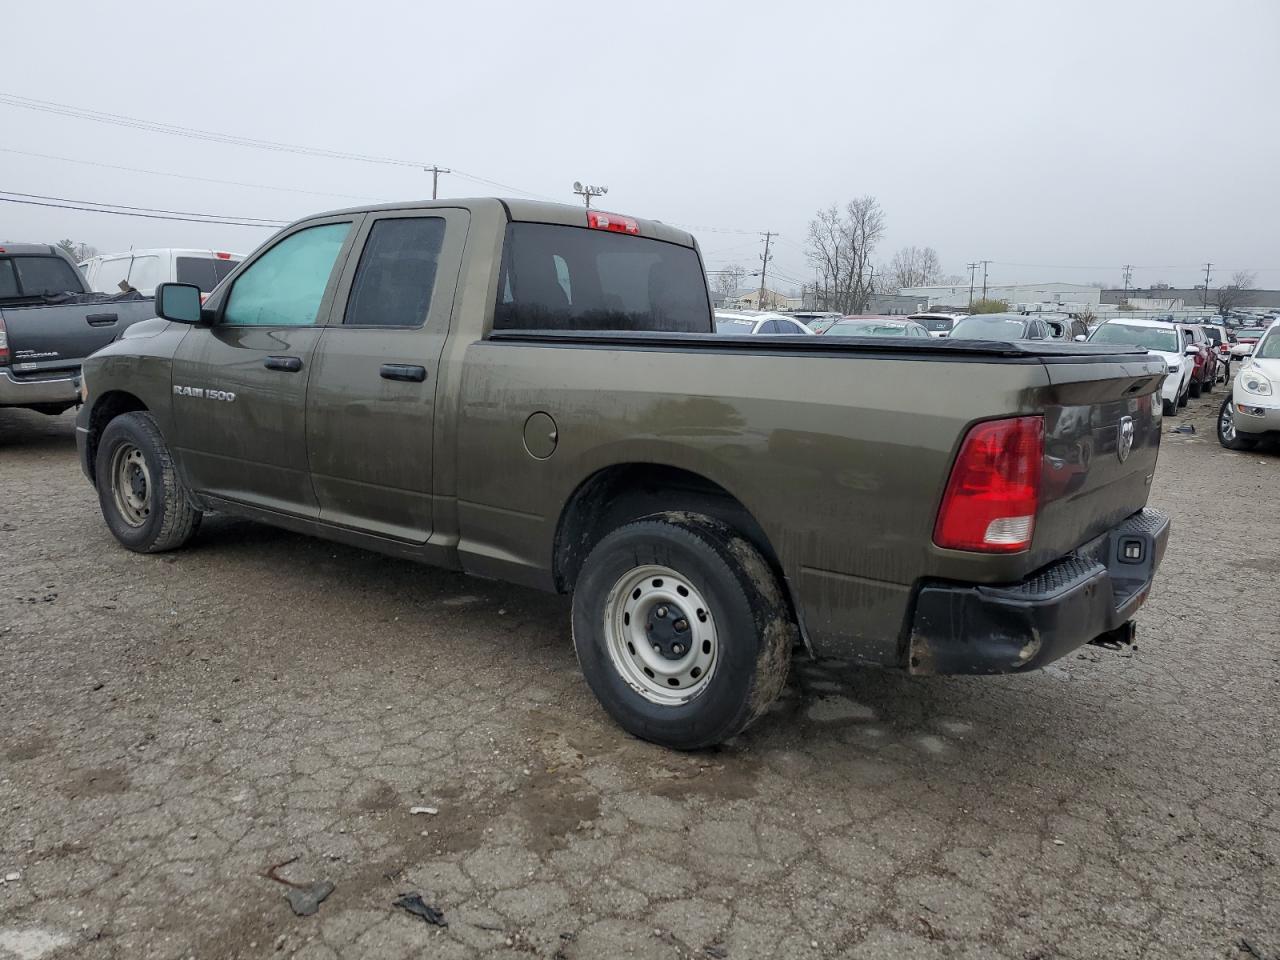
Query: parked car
{"x": 1200, "y": 349}
{"x": 1161, "y": 339}
{"x": 144, "y": 270}
{"x": 533, "y": 392}
{"x": 1251, "y": 409}
{"x": 1246, "y": 338}
{"x": 1000, "y": 326}
{"x": 759, "y": 324}
{"x": 1066, "y": 328}
{"x": 1221, "y": 339}
{"x": 876, "y": 327}
{"x": 938, "y": 324}
{"x": 50, "y": 321}
{"x": 817, "y": 321}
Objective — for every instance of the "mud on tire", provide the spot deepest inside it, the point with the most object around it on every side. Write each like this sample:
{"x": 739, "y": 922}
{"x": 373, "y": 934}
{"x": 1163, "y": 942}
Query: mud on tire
{"x": 748, "y": 624}
{"x": 142, "y": 498}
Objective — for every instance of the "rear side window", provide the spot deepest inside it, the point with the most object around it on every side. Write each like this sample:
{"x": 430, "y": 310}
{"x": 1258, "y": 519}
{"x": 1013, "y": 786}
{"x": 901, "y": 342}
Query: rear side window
{"x": 8, "y": 279}
{"x": 397, "y": 271}
{"x": 285, "y": 286}
{"x": 110, "y": 274}
{"x": 145, "y": 273}
{"x": 44, "y": 276}
{"x": 575, "y": 278}
{"x": 204, "y": 273}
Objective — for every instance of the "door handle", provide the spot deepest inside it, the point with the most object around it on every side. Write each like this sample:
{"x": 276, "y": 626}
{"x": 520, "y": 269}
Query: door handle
{"x": 101, "y": 319}
{"x": 411, "y": 372}
{"x": 288, "y": 364}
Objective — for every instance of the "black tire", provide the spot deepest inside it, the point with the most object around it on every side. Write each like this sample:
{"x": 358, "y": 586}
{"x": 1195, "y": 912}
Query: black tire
{"x": 156, "y": 513}
{"x": 754, "y": 629}
{"x": 1210, "y": 382}
{"x": 1194, "y": 389}
{"x": 1232, "y": 440}
{"x": 1170, "y": 407}
{"x": 1182, "y": 400}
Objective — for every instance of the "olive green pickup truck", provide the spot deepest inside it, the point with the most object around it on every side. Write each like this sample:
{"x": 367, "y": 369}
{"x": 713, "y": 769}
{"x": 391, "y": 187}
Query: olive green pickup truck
{"x": 534, "y": 393}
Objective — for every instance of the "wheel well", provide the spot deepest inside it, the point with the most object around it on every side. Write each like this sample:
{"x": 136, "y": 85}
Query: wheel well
{"x": 619, "y": 494}
{"x": 105, "y": 409}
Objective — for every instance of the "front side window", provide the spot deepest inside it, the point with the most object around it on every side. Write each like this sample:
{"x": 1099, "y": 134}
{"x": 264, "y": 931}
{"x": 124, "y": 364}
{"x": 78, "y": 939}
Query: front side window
{"x": 575, "y": 278}
{"x": 284, "y": 287}
{"x": 397, "y": 271}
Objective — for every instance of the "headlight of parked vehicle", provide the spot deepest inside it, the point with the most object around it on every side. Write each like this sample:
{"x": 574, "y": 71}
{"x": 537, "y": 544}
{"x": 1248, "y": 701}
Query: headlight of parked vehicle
{"x": 1254, "y": 382}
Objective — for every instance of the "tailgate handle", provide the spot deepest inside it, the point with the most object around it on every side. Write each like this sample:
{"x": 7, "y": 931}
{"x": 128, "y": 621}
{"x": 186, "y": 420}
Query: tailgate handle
{"x": 410, "y": 372}
{"x": 287, "y": 364}
{"x": 101, "y": 319}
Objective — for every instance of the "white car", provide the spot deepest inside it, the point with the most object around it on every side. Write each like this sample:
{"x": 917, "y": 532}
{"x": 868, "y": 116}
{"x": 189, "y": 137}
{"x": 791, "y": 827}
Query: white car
{"x": 938, "y": 324}
{"x": 144, "y": 270}
{"x": 1163, "y": 339}
{"x": 759, "y": 324}
{"x": 1252, "y": 408}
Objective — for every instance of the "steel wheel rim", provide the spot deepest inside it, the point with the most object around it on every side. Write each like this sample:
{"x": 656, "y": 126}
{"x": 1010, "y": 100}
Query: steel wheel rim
{"x": 644, "y": 610}
{"x": 131, "y": 484}
{"x": 1227, "y": 422}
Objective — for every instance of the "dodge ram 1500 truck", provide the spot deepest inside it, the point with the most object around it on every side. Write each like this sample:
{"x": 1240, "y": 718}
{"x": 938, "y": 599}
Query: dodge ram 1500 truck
{"x": 534, "y": 393}
{"x": 49, "y": 321}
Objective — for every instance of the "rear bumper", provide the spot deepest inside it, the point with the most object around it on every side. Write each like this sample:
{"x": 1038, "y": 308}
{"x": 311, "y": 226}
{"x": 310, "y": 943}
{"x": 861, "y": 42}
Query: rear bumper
{"x": 15, "y": 392}
{"x": 1010, "y": 628}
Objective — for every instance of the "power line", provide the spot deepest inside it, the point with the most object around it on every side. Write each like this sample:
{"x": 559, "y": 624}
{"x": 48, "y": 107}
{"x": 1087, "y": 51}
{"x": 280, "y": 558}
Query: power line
{"x": 122, "y": 206}
{"x": 132, "y": 213}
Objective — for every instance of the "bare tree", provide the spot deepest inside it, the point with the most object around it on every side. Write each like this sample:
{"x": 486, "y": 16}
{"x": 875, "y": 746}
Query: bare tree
{"x": 729, "y": 280}
{"x": 841, "y": 245}
{"x": 914, "y": 267}
{"x": 78, "y": 251}
{"x": 1236, "y": 293}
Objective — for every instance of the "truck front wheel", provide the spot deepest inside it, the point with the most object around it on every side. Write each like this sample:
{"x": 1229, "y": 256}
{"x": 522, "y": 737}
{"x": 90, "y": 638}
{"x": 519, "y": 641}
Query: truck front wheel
{"x": 143, "y": 501}
{"x": 681, "y": 629}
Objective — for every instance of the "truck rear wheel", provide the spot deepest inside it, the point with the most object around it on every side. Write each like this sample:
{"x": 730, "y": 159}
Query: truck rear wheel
{"x": 681, "y": 630}
{"x": 144, "y": 503}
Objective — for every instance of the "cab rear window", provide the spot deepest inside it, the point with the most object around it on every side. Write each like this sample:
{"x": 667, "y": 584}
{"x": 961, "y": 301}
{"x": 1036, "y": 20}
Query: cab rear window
{"x": 39, "y": 277}
{"x": 574, "y": 278}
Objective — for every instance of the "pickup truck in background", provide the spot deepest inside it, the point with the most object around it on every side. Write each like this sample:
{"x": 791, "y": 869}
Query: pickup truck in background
{"x": 49, "y": 322}
{"x": 534, "y": 393}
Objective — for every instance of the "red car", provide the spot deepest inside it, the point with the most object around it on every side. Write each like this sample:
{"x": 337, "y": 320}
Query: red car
{"x": 1199, "y": 348}
{"x": 1221, "y": 340}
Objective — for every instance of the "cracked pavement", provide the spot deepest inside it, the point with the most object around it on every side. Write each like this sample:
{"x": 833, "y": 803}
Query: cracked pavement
{"x": 174, "y": 726}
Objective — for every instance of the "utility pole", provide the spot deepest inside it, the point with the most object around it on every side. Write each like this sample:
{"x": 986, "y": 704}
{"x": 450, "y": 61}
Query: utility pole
{"x": 972, "y": 268}
{"x": 586, "y": 192}
{"x": 764, "y": 263}
{"x": 1128, "y": 278}
{"x": 984, "y": 278}
{"x": 435, "y": 177}
{"x": 1204, "y": 301}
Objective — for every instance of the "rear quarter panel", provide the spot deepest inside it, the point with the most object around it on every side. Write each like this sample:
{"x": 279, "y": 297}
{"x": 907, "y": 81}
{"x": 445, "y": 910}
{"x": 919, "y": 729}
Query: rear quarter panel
{"x": 841, "y": 459}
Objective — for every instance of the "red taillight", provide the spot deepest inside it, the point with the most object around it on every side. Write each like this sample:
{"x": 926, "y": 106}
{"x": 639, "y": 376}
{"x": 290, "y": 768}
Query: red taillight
{"x": 223, "y": 256}
{"x": 994, "y": 491}
{"x": 4, "y": 344}
{"x": 599, "y": 220}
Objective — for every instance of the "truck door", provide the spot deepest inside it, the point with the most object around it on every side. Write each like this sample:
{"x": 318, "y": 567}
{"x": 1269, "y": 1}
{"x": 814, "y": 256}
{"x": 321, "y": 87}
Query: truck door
{"x": 240, "y": 385}
{"x": 371, "y": 398}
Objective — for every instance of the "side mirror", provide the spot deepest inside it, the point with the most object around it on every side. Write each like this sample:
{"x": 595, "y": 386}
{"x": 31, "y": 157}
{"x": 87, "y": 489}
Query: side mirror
{"x": 1192, "y": 350}
{"x": 1079, "y": 338}
{"x": 179, "y": 302}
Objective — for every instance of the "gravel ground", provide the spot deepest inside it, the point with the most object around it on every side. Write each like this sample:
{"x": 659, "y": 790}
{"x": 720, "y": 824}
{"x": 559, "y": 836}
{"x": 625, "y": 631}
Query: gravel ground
{"x": 175, "y": 726}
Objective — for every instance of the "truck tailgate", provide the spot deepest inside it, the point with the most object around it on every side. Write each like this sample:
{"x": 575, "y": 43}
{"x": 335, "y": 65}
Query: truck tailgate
{"x": 49, "y": 338}
{"x": 1102, "y": 438}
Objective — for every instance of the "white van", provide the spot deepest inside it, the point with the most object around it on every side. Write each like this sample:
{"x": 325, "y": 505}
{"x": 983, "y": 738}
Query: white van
{"x": 144, "y": 270}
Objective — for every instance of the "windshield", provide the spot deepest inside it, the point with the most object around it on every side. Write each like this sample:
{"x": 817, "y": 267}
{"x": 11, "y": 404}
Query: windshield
{"x": 867, "y": 328}
{"x": 1268, "y": 348}
{"x": 935, "y": 324}
{"x": 1251, "y": 333}
{"x": 734, "y": 325}
{"x": 990, "y": 328}
{"x": 1148, "y": 338}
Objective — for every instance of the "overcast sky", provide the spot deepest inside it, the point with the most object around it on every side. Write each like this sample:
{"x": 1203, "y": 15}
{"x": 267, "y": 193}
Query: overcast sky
{"x": 1059, "y": 144}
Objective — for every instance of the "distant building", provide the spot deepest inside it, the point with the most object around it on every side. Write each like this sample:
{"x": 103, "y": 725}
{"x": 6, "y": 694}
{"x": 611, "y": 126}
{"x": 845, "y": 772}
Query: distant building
{"x": 1192, "y": 296}
{"x": 750, "y": 300}
{"x": 1012, "y": 293}
{"x": 895, "y": 304}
